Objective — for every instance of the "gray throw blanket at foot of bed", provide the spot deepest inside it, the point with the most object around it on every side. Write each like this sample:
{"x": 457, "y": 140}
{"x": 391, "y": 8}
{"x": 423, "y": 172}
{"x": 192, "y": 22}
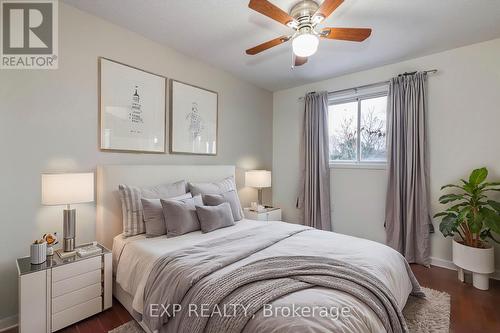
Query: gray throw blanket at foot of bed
{"x": 192, "y": 278}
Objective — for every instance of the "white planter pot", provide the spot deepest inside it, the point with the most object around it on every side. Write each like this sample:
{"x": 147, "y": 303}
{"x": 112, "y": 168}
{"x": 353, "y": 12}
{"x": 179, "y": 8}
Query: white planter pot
{"x": 481, "y": 262}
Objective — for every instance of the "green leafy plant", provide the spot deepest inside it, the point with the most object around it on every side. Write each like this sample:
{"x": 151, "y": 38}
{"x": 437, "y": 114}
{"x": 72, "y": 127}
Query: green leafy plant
{"x": 472, "y": 215}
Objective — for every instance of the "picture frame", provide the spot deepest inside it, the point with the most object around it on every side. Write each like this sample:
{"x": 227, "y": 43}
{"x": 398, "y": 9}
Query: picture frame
{"x": 193, "y": 119}
{"x": 132, "y": 109}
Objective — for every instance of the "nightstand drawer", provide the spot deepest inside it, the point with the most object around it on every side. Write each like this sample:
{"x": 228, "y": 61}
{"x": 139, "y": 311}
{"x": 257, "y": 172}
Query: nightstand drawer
{"x": 77, "y": 268}
{"x": 268, "y": 215}
{"x": 274, "y": 215}
{"x": 76, "y": 297}
{"x": 76, "y": 313}
{"x": 74, "y": 283}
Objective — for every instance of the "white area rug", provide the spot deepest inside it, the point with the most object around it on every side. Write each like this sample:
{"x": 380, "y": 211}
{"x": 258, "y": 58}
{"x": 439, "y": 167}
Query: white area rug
{"x": 423, "y": 315}
{"x": 429, "y": 314}
{"x": 130, "y": 327}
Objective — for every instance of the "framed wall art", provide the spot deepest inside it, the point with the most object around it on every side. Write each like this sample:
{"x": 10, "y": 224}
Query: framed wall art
{"x": 132, "y": 112}
{"x": 193, "y": 119}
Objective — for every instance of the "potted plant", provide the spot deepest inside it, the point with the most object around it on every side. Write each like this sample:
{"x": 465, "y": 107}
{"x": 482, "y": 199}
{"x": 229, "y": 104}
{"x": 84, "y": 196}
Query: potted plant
{"x": 471, "y": 220}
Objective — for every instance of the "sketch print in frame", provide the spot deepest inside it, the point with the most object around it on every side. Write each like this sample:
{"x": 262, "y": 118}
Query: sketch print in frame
{"x": 193, "y": 119}
{"x": 132, "y": 109}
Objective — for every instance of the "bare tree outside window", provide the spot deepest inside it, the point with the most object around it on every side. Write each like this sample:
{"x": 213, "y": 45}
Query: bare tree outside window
{"x": 373, "y": 129}
{"x": 343, "y": 128}
{"x": 344, "y": 136}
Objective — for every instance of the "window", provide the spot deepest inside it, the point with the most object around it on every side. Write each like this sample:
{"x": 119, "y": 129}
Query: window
{"x": 357, "y": 129}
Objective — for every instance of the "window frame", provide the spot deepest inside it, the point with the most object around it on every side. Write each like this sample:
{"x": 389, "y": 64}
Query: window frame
{"x": 358, "y": 163}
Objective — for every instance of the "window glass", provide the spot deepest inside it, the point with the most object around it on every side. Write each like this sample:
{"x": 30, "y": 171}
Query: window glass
{"x": 373, "y": 129}
{"x": 343, "y": 128}
{"x": 358, "y": 130}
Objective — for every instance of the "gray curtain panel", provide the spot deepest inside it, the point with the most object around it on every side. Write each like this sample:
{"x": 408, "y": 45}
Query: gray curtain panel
{"x": 314, "y": 197}
{"x": 408, "y": 221}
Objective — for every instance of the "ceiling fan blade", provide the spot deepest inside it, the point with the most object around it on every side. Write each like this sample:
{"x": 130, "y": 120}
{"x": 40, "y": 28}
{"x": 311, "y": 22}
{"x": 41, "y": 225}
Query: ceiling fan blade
{"x": 299, "y": 61}
{"x": 267, "y": 45}
{"x": 268, "y": 9}
{"x": 350, "y": 34}
{"x": 327, "y": 7}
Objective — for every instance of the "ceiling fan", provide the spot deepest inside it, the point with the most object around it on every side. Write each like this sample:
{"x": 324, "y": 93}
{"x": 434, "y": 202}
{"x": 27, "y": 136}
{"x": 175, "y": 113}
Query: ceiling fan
{"x": 304, "y": 18}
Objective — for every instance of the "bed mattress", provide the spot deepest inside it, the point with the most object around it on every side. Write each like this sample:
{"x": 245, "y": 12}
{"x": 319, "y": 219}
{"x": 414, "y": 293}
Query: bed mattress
{"x": 134, "y": 257}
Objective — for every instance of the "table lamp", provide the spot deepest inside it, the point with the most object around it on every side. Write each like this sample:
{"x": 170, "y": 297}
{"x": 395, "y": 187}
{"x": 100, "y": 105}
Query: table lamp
{"x": 258, "y": 179}
{"x": 67, "y": 189}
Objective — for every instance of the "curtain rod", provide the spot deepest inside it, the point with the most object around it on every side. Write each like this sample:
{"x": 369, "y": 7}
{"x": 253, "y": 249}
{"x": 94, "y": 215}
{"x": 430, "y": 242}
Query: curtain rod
{"x": 431, "y": 71}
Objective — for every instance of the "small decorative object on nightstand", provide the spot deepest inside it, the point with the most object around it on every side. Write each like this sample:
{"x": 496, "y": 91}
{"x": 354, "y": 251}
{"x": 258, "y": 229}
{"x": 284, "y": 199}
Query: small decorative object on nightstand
{"x": 66, "y": 189}
{"x": 38, "y": 252}
{"x": 268, "y": 214}
{"x": 51, "y": 240}
{"x": 60, "y": 292}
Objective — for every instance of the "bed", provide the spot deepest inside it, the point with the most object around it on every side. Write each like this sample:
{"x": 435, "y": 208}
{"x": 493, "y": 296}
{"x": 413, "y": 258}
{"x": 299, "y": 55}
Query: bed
{"x": 136, "y": 258}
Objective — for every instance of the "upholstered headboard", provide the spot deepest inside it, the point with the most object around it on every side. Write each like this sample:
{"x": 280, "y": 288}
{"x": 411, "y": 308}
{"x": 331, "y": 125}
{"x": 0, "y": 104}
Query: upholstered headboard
{"x": 109, "y": 213}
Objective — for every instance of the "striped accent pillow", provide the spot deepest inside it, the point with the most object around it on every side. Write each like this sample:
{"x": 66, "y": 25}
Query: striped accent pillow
{"x": 222, "y": 186}
{"x": 132, "y": 210}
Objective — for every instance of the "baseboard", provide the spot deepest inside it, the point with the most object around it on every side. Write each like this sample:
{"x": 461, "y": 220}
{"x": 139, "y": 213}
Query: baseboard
{"x": 448, "y": 264}
{"x": 7, "y": 323}
{"x": 443, "y": 263}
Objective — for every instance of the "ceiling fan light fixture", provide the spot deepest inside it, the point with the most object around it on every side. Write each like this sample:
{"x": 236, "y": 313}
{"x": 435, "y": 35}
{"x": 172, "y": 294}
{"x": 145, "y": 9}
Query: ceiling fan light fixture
{"x": 304, "y": 18}
{"x": 316, "y": 19}
{"x": 305, "y": 44}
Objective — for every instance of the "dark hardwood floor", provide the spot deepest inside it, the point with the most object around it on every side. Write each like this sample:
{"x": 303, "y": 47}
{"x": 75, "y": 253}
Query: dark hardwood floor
{"x": 100, "y": 323}
{"x": 472, "y": 310}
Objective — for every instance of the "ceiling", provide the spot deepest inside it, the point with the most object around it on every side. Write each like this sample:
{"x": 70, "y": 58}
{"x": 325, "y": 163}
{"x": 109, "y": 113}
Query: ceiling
{"x": 219, "y": 31}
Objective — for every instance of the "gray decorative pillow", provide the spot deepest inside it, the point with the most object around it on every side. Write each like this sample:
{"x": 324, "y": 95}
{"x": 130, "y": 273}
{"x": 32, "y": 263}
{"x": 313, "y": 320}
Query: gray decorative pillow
{"x": 131, "y": 196}
{"x": 230, "y": 197}
{"x": 180, "y": 215}
{"x": 153, "y": 215}
{"x": 222, "y": 186}
{"x": 215, "y": 217}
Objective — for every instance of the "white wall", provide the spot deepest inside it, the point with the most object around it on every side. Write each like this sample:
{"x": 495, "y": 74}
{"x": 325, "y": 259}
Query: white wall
{"x": 48, "y": 122}
{"x": 463, "y": 123}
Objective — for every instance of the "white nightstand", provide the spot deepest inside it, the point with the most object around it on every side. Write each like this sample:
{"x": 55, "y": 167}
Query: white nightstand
{"x": 270, "y": 214}
{"x": 61, "y": 292}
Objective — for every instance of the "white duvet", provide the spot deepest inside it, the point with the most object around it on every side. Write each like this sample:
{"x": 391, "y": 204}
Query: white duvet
{"x": 133, "y": 259}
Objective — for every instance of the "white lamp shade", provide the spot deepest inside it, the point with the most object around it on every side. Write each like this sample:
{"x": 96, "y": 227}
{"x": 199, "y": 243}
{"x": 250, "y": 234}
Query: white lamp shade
{"x": 67, "y": 188}
{"x": 258, "y": 178}
{"x": 305, "y": 45}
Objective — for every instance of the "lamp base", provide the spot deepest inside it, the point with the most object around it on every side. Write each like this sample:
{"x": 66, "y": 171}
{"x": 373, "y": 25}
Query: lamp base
{"x": 65, "y": 254}
{"x": 68, "y": 244}
{"x": 69, "y": 230}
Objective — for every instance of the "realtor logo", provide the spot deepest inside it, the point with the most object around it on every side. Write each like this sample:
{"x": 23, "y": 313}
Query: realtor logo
{"x": 28, "y": 35}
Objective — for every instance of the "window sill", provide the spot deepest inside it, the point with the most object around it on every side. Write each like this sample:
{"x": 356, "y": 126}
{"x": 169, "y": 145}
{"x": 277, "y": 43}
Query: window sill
{"x": 373, "y": 166}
